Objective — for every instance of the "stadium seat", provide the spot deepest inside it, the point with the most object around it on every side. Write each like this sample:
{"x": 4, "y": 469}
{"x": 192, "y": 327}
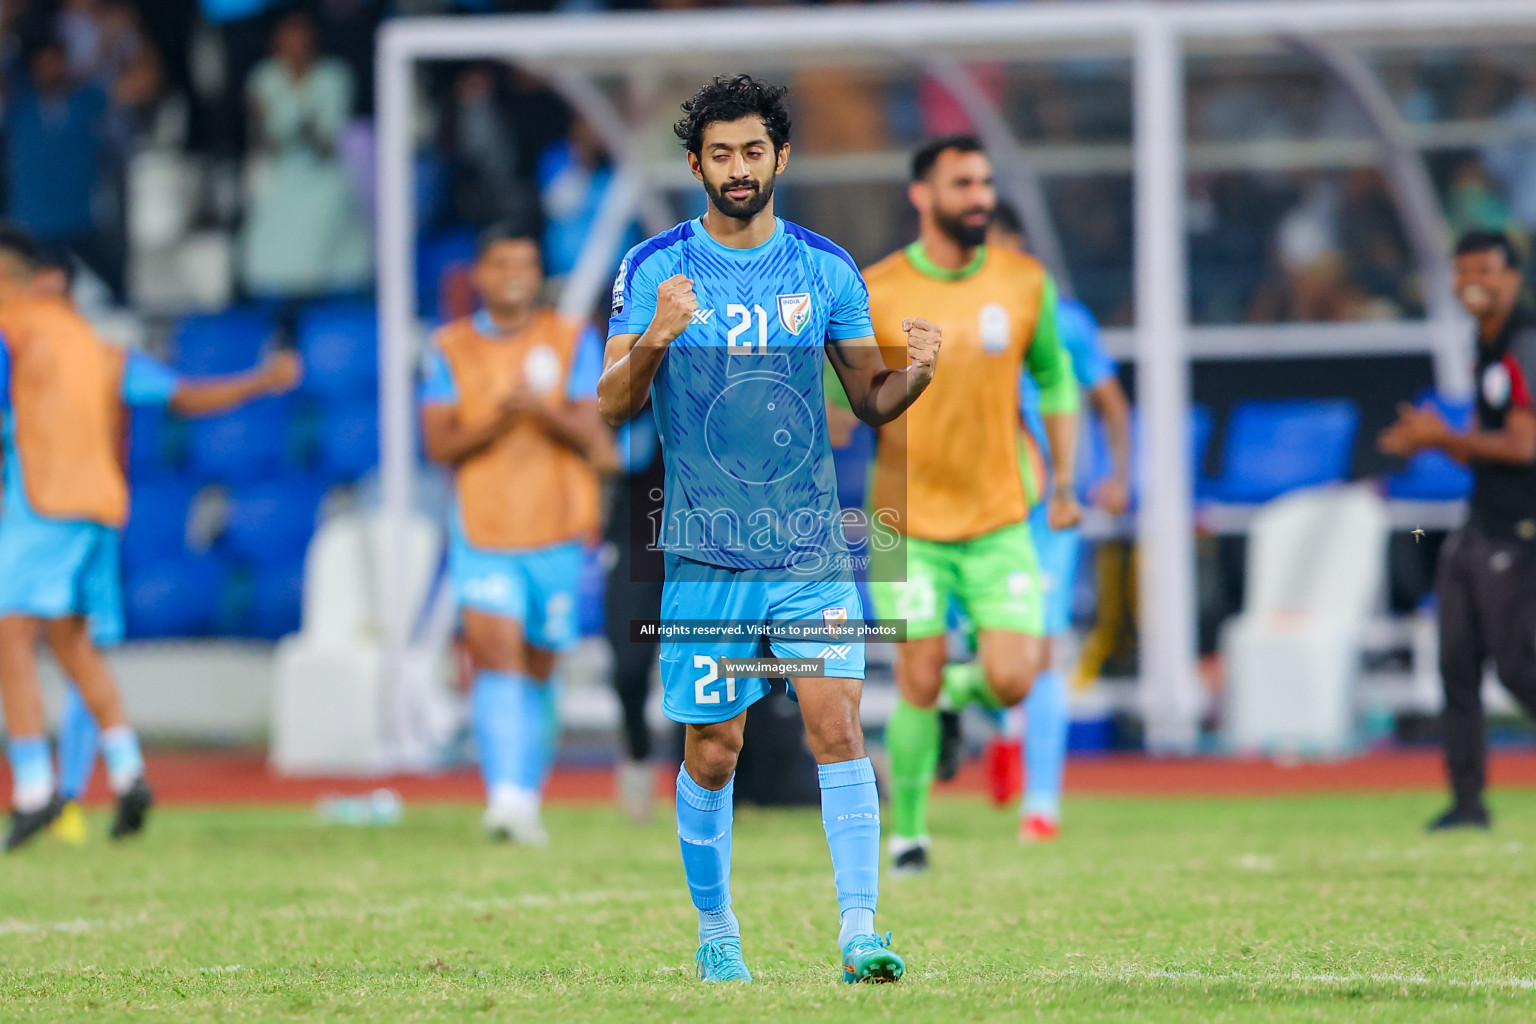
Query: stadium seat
{"x": 436, "y": 257}
{"x": 276, "y": 599}
{"x": 1434, "y": 475}
{"x": 851, "y": 464}
{"x": 150, "y": 437}
{"x": 249, "y": 443}
{"x": 333, "y": 668}
{"x": 209, "y": 344}
{"x": 1200, "y": 427}
{"x": 340, "y": 346}
{"x": 590, "y": 593}
{"x": 349, "y": 439}
{"x": 1277, "y": 446}
{"x": 176, "y": 597}
{"x": 157, "y": 521}
{"x": 1316, "y": 565}
{"x": 273, "y": 520}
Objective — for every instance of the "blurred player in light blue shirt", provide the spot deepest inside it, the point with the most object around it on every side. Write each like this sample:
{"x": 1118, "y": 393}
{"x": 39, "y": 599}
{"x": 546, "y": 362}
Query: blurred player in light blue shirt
{"x": 1046, "y": 710}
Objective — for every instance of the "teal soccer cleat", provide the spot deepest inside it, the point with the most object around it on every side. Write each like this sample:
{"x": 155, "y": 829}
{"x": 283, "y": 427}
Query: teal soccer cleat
{"x": 721, "y": 960}
{"x": 869, "y": 958}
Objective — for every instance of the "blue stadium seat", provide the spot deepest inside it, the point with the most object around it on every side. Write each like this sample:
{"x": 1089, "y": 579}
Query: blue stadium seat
{"x": 157, "y": 521}
{"x": 340, "y": 345}
{"x": 272, "y": 521}
{"x": 852, "y": 466}
{"x": 177, "y": 597}
{"x": 1277, "y": 446}
{"x": 349, "y": 439}
{"x": 210, "y": 344}
{"x": 247, "y": 444}
{"x": 150, "y": 437}
{"x": 435, "y": 256}
{"x": 276, "y": 600}
{"x": 590, "y": 593}
{"x": 1434, "y": 475}
{"x": 1200, "y": 426}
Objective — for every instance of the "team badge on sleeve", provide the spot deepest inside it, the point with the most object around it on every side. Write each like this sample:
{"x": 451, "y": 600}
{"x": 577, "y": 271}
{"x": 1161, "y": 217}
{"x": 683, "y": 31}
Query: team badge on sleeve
{"x": 795, "y": 311}
{"x": 618, "y": 288}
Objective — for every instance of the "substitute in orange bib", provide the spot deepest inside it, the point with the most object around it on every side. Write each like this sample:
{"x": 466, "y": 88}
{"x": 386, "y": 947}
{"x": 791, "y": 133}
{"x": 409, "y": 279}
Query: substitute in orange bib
{"x": 947, "y": 474}
{"x": 62, "y": 392}
{"x": 510, "y": 402}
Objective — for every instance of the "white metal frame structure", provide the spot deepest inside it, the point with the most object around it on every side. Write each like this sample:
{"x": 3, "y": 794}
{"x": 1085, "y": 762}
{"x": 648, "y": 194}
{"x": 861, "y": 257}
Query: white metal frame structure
{"x": 569, "y": 50}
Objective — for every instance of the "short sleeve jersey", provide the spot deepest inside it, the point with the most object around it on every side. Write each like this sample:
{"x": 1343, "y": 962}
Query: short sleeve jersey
{"x": 1091, "y": 365}
{"x": 949, "y": 466}
{"x": 1503, "y": 502}
{"x": 740, "y": 410}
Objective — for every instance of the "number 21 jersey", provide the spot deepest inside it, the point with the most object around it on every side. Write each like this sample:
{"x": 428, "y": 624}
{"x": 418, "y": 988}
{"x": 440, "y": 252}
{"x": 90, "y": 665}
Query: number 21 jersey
{"x": 738, "y": 398}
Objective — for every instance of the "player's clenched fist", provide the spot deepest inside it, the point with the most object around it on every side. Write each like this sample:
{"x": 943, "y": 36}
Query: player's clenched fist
{"x": 923, "y": 340}
{"x": 675, "y": 306}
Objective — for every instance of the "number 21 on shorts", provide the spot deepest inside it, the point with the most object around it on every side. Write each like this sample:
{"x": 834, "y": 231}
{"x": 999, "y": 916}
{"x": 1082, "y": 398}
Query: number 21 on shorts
{"x": 701, "y": 692}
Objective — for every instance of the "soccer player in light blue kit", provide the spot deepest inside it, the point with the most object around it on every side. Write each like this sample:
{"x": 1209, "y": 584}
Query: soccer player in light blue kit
{"x": 1046, "y": 708}
{"x": 724, "y": 321}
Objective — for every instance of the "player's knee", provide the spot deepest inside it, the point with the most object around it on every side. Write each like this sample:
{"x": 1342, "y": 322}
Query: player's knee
{"x": 713, "y": 761}
{"x": 1010, "y": 683}
{"x": 838, "y": 738}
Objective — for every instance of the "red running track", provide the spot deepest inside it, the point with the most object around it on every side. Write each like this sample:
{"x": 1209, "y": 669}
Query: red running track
{"x": 242, "y": 777}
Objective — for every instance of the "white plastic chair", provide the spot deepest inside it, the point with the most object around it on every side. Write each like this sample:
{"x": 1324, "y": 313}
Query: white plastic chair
{"x": 1316, "y": 564}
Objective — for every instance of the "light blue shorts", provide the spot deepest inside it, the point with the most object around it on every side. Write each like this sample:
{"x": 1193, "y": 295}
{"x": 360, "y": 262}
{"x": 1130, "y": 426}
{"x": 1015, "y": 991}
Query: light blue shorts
{"x": 692, "y": 689}
{"x": 1057, "y": 552}
{"x": 535, "y": 586}
{"x": 54, "y": 569}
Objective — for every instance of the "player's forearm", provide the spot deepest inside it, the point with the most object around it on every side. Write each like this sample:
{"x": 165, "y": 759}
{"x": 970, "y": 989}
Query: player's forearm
{"x": 572, "y": 426}
{"x": 1061, "y": 430}
{"x": 206, "y": 397}
{"x": 1109, "y": 402}
{"x": 626, "y": 381}
{"x": 451, "y": 444}
{"x": 1506, "y": 446}
{"x": 889, "y": 395}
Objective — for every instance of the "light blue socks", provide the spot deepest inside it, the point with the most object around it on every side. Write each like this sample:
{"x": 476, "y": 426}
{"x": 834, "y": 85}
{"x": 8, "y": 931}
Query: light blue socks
{"x": 515, "y": 731}
{"x": 31, "y": 772}
{"x": 850, "y": 815}
{"x": 125, "y": 764}
{"x": 704, "y": 834}
{"x": 77, "y": 745}
{"x": 1047, "y": 719}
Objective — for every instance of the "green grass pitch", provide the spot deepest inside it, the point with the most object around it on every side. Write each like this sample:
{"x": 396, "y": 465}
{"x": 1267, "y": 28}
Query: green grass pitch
{"x": 1282, "y": 909}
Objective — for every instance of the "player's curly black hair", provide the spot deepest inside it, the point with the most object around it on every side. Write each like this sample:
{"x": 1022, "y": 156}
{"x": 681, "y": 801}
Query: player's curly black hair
{"x": 727, "y": 99}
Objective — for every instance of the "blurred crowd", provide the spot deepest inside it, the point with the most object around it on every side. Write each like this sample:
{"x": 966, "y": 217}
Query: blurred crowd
{"x": 194, "y": 153}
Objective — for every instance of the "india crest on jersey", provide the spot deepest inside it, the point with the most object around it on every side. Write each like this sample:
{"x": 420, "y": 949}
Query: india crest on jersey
{"x": 795, "y": 311}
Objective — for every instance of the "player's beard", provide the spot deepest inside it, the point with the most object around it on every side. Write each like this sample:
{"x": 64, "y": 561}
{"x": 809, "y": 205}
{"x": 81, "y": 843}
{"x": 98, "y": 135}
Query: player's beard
{"x": 741, "y": 209}
{"x": 965, "y": 235}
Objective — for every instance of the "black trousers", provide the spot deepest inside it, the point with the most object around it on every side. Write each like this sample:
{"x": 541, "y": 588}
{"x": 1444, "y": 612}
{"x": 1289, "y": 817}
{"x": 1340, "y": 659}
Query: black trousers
{"x": 634, "y": 592}
{"x": 1487, "y": 593}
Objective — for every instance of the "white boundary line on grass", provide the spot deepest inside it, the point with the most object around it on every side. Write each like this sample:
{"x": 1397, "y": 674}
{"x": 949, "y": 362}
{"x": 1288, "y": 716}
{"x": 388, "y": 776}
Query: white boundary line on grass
{"x": 1295, "y": 978}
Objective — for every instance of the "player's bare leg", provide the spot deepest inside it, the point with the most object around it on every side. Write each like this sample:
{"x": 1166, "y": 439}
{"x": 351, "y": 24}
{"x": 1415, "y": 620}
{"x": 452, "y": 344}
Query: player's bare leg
{"x": 34, "y": 802}
{"x": 70, "y": 640}
{"x": 512, "y": 724}
{"x": 850, "y": 814}
{"x": 705, "y": 788}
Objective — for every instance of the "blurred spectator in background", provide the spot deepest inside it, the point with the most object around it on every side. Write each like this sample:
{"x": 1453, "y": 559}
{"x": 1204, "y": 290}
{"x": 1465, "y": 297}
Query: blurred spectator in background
{"x": 1475, "y": 202}
{"x": 305, "y": 234}
{"x": 244, "y": 26}
{"x": 55, "y": 131}
{"x": 574, "y": 175}
{"x": 1511, "y": 157}
{"x": 482, "y": 138}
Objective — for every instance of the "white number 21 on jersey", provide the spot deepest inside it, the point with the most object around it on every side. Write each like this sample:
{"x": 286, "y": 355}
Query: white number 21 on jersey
{"x": 711, "y": 675}
{"x": 743, "y": 317}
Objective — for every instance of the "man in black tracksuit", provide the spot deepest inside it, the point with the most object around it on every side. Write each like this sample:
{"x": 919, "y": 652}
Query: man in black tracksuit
{"x": 1486, "y": 582}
